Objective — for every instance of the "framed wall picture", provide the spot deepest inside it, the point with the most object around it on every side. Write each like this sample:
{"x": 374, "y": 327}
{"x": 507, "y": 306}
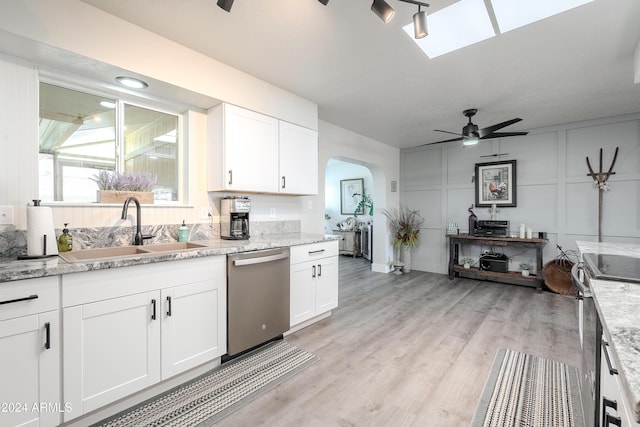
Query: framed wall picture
{"x": 348, "y": 203}
{"x": 496, "y": 184}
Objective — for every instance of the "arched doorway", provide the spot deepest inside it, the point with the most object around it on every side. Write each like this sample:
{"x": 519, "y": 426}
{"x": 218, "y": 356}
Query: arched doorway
{"x": 339, "y": 169}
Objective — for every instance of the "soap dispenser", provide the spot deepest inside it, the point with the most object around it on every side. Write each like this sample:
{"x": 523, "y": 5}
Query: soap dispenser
{"x": 183, "y": 232}
{"x": 65, "y": 241}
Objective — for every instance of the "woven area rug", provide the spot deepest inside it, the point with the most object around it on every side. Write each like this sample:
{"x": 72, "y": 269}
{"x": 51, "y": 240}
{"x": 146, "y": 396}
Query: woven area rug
{"x": 525, "y": 390}
{"x": 208, "y": 398}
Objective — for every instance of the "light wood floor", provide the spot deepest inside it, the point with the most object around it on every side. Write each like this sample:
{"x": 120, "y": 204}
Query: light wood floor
{"x": 411, "y": 350}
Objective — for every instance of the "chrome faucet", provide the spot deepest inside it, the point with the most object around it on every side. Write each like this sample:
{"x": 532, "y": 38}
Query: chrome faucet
{"x": 139, "y": 238}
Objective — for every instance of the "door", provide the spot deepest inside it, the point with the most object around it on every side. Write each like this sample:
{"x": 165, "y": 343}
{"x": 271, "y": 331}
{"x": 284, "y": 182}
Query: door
{"x": 298, "y": 159}
{"x": 194, "y": 325}
{"x": 30, "y": 355}
{"x": 250, "y": 150}
{"x": 112, "y": 349}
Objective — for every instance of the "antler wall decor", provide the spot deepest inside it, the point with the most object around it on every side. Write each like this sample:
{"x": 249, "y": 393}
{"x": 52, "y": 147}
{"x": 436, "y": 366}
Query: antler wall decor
{"x": 600, "y": 182}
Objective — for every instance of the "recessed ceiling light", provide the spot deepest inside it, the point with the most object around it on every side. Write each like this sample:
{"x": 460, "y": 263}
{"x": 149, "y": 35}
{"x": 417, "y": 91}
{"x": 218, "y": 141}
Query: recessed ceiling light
{"x": 108, "y": 104}
{"x": 131, "y": 82}
{"x": 511, "y": 14}
{"x": 461, "y": 24}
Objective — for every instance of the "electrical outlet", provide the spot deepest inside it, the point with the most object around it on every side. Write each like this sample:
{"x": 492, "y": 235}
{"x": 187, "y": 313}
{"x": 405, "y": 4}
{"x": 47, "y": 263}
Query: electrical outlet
{"x": 6, "y": 214}
{"x": 273, "y": 213}
{"x": 204, "y": 213}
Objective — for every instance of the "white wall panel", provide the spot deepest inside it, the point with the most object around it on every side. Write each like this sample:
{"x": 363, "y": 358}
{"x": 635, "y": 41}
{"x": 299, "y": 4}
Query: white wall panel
{"x": 458, "y": 201}
{"x": 429, "y": 203}
{"x": 554, "y": 193}
{"x": 423, "y": 168}
{"x": 587, "y": 141}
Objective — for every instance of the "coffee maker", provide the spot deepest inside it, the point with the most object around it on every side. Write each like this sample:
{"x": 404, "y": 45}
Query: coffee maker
{"x": 234, "y": 218}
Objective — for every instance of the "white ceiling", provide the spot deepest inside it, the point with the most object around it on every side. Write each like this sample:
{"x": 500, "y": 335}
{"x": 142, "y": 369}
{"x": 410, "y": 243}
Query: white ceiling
{"x": 371, "y": 78}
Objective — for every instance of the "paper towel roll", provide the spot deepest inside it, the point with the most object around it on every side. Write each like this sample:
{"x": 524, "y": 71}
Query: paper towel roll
{"x": 40, "y": 224}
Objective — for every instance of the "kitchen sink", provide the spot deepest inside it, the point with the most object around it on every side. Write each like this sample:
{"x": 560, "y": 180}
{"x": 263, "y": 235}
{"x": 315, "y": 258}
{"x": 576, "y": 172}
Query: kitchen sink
{"x": 98, "y": 254}
{"x": 116, "y": 252}
{"x": 172, "y": 247}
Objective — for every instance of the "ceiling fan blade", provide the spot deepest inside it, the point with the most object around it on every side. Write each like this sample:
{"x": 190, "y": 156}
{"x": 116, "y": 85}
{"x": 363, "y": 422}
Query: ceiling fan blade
{"x": 503, "y": 134}
{"x": 446, "y": 131}
{"x": 441, "y": 142}
{"x": 491, "y": 129}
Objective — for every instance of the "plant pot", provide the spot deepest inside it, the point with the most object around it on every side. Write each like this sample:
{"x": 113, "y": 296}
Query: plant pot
{"x": 115, "y": 196}
{"x": 467, "y": 266}
{"x": 405, "y": 255}
{"x": 525, "y": 272}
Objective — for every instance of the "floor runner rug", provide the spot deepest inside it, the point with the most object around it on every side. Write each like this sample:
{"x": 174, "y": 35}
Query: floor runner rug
{"x": 206, "y": 399}
{"x": 529, "y": 391}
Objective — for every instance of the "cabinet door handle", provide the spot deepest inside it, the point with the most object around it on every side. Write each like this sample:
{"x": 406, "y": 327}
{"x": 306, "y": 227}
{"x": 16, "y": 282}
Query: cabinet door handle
{"x": 319, "y": 270}
{"x": 606, "y": 403}
{"x": 47, "y": 335}
{"x": 313, "y": 269}
{"x": 612, "y": 420}
{"x": 284, "y": 182}
{"x": 612, "y": 370}
{"x": 168, "y": 306}
{"x": 10, "y": 301}
{"x": 153, "y": 313}
{"x": 230, "y": 177}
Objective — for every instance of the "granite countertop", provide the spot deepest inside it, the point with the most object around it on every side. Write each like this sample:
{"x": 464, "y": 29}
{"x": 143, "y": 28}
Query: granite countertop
{"x": 13, "y": 269}
{"x": 618, "y": 305}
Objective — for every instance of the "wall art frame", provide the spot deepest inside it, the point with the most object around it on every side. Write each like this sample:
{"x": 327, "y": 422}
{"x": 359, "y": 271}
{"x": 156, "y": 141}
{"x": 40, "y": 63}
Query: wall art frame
{"x": 496, "y": 184}
{"x": 348, "y": 203}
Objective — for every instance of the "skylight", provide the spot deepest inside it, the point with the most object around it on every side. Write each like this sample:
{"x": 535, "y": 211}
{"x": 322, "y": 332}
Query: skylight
{"x": 461, "y": 24}
{"x": 467, "y": 22}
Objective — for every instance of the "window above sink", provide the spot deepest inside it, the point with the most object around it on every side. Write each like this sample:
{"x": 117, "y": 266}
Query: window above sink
{"x": 84, "y": 132}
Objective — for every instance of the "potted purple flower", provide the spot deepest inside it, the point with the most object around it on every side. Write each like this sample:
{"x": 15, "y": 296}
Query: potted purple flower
{"x": 115, "y": 187}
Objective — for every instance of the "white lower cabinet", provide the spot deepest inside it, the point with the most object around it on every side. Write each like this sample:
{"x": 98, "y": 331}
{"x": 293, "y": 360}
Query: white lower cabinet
{"x": 30, "y": 353}
{"x": 614, "y": 409}
{"x": 314, "y": 280}
{"x": 126, "y": 329}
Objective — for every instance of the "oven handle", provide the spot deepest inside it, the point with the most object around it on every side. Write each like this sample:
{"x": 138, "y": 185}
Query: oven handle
{"x": 259, "y": 260}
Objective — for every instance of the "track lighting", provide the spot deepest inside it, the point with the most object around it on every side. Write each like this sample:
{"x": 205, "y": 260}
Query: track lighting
{"x": 226, "y": 4}
{"x": 420, "y": 24}
{"x": 419, "y": 19}
{"x": 383, "y": 10}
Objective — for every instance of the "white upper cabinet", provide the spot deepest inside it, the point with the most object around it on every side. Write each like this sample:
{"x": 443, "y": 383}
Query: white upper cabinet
{"x": 298, "y": 159}
{"x": 252, "y": 152}
{"x": 243, "y": 150}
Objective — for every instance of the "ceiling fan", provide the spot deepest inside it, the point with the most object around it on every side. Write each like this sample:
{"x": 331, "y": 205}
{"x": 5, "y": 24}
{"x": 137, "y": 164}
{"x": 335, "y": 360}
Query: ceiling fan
{"x": 471, "y": 134}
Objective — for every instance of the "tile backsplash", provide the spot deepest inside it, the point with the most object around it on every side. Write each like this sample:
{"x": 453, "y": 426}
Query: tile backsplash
{"x": 13, "y": 242}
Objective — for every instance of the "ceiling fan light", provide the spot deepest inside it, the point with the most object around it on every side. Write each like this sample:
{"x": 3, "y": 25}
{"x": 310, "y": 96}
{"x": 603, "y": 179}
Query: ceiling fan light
{"x": 472, "y": 140}
{"x": 226, "y": 4}
{"x": 420, "y": 24}
{"x": 383, "y": 10}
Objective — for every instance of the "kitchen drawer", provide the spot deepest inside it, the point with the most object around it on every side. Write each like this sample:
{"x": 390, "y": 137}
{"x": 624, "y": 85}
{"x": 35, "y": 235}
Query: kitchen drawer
{"x": 99, "y": 285}
{"x": 46, "y": 289}
{"x": 313, "y": 251}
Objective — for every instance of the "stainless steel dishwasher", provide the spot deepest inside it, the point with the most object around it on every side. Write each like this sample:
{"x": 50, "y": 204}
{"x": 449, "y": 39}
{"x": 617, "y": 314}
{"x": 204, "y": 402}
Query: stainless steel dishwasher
{"x": 257, "y": 298}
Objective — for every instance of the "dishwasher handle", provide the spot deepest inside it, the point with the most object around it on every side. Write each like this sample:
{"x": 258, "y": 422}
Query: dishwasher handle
{"x": 260, "y": 260}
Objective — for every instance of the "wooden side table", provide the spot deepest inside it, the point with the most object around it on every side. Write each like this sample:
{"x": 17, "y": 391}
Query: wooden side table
{"x": 513, "y": 277}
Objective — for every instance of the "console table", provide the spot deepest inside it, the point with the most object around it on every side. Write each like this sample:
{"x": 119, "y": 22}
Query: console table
{"x": 514, "y": 277}
{"x": 349, "y": 243}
